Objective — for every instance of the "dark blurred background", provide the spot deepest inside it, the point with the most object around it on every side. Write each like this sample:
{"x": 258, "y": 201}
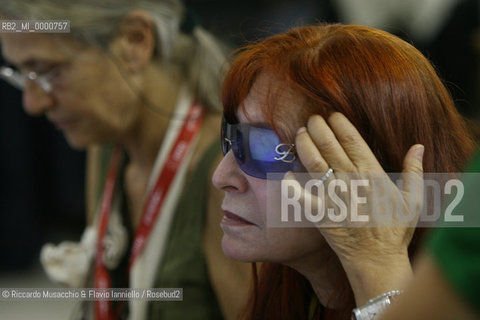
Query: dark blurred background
{"x": 41, "y": 184}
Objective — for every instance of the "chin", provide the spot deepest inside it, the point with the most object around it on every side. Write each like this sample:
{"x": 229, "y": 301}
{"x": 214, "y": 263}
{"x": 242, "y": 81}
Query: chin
{"x": 78, "y": 143}
{"x": 240, "y": 251}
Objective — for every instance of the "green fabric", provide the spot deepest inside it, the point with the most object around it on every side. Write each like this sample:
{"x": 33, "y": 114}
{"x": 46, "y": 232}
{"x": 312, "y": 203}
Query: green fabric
{"x": 184, "y": 261}
{"x": 104, "y": 156}
{"x": 457, "y": 250}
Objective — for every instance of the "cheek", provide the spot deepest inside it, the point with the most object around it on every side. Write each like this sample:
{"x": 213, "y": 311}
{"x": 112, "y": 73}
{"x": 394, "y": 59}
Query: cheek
{"x": 282, "y": 244}
{"x": 116, "y": 102}
{"x": 262, "y": 195}
{"x": 287, "y": 244}
{"x": 95, "y": 79}
{"x": 272, "y": 203}
{"x": 290, "y": 244}
{"x": 102, "y": 99}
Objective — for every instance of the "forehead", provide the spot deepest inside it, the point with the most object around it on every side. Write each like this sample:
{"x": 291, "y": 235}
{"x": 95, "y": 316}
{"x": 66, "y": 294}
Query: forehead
{"x": 270, "y": 94}
{"x": 252, "y": 103}
{"x": 23, "y": 47}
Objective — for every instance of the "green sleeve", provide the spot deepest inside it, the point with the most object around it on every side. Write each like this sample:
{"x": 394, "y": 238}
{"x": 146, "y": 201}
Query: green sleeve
{"x": 456, "y": 250}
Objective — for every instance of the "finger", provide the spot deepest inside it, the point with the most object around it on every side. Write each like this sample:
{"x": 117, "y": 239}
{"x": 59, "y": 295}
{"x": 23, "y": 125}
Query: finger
{"x": 413, "y": 166}
{"x": 317, "y": 207}
{"x": 412, "y": 177}
{"x": 308, "y": 153}
{"x": 353, "y": 144}
{"x": 307, "y": 199}
{"x": 328, "y": 145}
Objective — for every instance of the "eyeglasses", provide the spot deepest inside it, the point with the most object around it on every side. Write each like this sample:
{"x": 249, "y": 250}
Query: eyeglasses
{"x": 18, "y": 79}
{"x": 258, "y": 150}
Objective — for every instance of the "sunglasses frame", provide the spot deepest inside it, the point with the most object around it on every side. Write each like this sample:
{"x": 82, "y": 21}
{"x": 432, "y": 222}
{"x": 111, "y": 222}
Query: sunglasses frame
{"x": 237, "y": 137}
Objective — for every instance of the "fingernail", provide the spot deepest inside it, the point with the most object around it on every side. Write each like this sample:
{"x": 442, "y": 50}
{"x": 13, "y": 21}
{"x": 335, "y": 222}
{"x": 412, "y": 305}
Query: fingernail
{"x": 301, "y": 130}
{"x": 287, "y": 176}
{"x": 418, "y": 152}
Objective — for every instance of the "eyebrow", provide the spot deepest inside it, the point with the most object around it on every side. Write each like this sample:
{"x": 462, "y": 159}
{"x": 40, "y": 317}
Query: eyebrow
{"x": 30, "y": 63}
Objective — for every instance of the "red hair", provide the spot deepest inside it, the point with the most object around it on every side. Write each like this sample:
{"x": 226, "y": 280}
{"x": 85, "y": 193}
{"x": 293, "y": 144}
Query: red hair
{"x": 383, "y": 85}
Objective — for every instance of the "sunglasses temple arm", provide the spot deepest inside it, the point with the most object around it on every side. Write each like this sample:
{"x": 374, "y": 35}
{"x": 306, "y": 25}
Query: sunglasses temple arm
{"x": 12, "y": 78}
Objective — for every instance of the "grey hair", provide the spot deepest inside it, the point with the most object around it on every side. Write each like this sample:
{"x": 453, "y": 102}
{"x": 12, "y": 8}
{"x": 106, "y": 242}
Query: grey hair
{"x": 198, "y": 55}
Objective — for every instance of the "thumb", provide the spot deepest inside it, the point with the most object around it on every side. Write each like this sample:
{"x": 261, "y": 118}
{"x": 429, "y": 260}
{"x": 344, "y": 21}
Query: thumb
{"x": 413, "y": 161}
{"x": 412, "y": 176}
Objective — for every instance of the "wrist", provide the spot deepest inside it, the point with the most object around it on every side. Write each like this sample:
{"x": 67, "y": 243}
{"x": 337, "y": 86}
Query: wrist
{"x": 374, "y": 307}
{"x": 372, "y": 277}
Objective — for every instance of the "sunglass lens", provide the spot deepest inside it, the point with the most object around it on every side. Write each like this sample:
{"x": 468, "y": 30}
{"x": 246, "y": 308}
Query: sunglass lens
{"x": 238, "y": 145}
{"x": 256, "y": 149}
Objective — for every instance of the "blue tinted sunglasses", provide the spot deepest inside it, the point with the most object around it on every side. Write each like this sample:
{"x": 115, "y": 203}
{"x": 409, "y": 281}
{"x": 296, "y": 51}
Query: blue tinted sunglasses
{"x": 258, "y": 150}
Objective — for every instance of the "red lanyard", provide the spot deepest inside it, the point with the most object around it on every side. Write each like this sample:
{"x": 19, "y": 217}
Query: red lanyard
{"x": 151, "y": 210}
{"x": 102, "y": 279}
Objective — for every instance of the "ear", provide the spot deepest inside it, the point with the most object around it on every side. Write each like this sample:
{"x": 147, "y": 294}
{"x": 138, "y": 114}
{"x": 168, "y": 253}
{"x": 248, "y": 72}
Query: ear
{"x": 135, "y": 41}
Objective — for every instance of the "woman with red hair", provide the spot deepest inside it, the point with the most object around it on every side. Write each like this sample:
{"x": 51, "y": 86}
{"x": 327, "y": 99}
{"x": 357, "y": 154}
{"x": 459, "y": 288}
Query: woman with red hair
{"x": 332, "y": 99}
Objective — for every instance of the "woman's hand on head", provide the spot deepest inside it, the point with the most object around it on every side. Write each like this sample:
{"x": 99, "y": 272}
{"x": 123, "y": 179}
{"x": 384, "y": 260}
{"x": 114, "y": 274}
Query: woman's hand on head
{"x": 369, "y": 250}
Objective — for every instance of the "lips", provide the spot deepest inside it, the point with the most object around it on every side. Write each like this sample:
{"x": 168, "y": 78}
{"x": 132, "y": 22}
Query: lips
{"x": 234, "y": 220}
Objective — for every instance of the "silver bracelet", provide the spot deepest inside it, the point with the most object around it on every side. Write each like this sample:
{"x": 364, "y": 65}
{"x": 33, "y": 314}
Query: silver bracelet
{"x": 375, "y": 306}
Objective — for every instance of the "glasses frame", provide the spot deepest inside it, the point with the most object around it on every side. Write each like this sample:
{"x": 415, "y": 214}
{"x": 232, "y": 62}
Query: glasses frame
{"x": 236, "y": 137}
{"x": 19, "y": 79}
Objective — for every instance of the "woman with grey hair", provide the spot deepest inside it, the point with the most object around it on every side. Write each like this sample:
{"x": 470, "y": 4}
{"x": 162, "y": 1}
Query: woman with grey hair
{"x": 136, "y": 83}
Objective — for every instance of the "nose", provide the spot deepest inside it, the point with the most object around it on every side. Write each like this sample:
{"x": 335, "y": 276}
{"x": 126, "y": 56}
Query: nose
{"x": 35, "y": 100}
{"x": 228, "y": 176}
